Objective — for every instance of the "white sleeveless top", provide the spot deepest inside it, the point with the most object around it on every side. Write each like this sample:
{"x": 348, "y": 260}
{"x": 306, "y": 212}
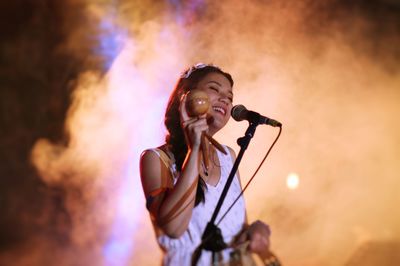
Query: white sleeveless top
{"x": 178, "y": 251}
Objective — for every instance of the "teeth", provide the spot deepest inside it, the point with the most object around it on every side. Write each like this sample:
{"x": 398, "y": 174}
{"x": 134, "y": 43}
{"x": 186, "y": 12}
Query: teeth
{"x": 219, "y": 109}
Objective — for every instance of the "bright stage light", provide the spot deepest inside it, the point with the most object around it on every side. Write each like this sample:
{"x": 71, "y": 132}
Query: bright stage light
{"x": 292, "y": 181}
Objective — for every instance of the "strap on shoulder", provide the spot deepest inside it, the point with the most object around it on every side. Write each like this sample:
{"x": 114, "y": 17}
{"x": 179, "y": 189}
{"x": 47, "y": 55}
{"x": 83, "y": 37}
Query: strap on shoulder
{"x": 164, "y": 157}
{"x": 165, "y": 183}
{"x": 168, "y": 162}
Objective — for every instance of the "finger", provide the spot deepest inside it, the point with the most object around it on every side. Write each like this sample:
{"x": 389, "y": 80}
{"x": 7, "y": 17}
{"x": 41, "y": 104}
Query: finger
{"x": 186, "y": 122}
{"x": 182, "y": 108}
{"x": 259, "y": 243}
{"x": 260, "y": 227}
{"x": 243, "y": 237}
{"x": 196, "y": 122}
{"x": 241, "y": 240}
{"x": 263, "y": 239}
{"x": 257, "y": 247}
{"x": 197, "y": 127}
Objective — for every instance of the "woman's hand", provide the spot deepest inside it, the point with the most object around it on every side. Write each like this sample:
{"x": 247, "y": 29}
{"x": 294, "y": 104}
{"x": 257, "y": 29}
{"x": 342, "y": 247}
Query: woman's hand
{"x": 192, "y": 126}
{"x": 257, "y": 234}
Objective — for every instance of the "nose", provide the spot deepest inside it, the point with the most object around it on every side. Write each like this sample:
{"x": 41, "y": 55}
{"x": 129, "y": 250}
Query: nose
{"x": 224, "y": 99}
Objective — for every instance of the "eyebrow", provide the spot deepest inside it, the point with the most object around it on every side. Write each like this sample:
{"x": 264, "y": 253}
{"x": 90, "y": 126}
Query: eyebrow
{"x": 212, "y": 81}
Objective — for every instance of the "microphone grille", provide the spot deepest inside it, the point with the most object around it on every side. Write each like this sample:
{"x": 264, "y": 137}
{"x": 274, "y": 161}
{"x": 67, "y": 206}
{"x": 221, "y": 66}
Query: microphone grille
{"x": 239, "y": 112}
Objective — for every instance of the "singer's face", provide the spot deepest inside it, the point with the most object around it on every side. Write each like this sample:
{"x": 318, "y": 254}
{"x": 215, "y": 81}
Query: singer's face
{"x": 219, "y": 91}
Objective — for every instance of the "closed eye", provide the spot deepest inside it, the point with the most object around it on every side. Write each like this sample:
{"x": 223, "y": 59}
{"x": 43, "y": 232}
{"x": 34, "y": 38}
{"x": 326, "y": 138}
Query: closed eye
{"x": 217, "y": 90}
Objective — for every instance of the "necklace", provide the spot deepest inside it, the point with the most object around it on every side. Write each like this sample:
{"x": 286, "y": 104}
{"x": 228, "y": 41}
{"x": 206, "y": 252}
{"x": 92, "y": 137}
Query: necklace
{"x": 213, "y": 171}
{"x": 204, "y": 173}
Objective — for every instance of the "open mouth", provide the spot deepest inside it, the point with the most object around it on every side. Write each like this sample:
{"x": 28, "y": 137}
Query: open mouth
{"x": 219, "y": 109}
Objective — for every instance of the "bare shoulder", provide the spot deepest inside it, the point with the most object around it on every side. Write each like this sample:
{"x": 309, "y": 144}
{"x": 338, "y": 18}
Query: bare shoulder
{"x": 149, "y": 166}
{"x": 150, "y": 159}
{"x": 154, "y": 173}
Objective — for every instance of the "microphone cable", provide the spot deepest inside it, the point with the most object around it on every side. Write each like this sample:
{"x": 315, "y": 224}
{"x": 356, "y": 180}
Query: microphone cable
{"x": 251, "y": 179}
{"x": 197, "y": 252}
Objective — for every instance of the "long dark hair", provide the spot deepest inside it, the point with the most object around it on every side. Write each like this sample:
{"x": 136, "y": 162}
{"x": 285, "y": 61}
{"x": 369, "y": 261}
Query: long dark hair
{"x": 175, "y": 138}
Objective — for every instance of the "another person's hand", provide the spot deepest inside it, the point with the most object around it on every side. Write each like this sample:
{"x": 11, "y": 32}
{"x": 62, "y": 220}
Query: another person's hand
{"x": 192, "y": 126}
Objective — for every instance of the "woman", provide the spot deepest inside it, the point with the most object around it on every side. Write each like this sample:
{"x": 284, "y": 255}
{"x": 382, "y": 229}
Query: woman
{"x": 181, "y": 193}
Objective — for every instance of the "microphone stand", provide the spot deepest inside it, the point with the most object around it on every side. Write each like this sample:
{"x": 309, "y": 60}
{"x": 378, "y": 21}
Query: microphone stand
{"x": 212, "y": 239}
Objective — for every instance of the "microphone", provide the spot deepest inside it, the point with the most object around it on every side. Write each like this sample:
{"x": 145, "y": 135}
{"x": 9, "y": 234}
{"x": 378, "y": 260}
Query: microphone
{"x": 239, "y": 113}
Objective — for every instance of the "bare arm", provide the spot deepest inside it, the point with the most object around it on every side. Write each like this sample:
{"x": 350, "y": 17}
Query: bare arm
{"x": 172, "y": 206}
